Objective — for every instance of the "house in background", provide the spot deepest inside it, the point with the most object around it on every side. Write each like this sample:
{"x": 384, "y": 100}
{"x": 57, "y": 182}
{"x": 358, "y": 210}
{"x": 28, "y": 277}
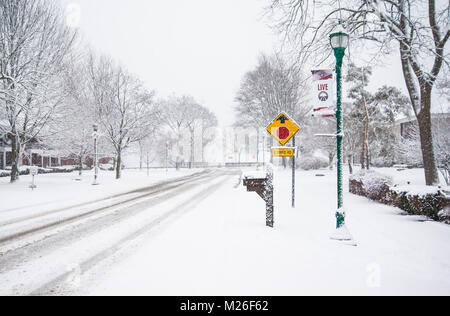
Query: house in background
{"x": 246, "y": 145}
{"x": 34, "y": 154}
{"x": 404, "y": 126}
{"x": 4, "y": 150}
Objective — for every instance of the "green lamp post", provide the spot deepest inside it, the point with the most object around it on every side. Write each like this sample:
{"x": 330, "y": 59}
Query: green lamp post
{"x": 339, "y": 42}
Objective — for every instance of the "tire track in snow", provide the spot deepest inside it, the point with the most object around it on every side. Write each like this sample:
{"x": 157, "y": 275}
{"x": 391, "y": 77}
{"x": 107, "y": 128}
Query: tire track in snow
{"x": 150, "y": 191}
{"x": 26, "y": 256}
{"x": 57, "y": 285}
{"x": 161, "y": 184}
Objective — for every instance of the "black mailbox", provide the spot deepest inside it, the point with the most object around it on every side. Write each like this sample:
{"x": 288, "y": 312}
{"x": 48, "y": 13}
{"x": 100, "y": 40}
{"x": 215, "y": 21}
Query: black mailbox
{"x": 264, "y": 188}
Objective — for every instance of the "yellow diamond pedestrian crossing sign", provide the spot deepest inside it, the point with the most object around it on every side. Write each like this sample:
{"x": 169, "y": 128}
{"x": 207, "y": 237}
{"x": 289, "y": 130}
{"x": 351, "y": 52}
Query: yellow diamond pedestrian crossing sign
{"x": 283, "y": 128}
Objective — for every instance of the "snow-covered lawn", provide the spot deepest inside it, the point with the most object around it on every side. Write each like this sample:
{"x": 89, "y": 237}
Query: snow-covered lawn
{"x": 223, "y": 248}
{"x": 414, "y": 177}
{"x": 412, "y": 181}
{"x": 56, "y": 191}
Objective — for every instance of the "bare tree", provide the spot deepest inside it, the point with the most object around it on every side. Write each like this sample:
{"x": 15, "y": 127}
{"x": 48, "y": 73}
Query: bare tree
{"x": 352, "y": 141}
{"x": 407, "y": 146}
{"x": 72, "y": 128}
{"x": 183, "y": 115}
{"x": 410, "y": 141}
{"x": 441, "y": 130}
{"x": 147, "y": 143}
{"x": 358, "y": 77}
{"x": 273, "y": 87}
{"x": 192, "y": 112}
{"x": 174, "y": 115}
{"x": 209, "y": 123}
{"x": 419, "y": 28}
{"x": 34, "y": 43}
{"x": 125, "y": 109}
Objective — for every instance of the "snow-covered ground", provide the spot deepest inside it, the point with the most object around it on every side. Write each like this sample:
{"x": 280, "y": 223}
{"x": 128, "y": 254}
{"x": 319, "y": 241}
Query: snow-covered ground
{"x": 196, "y": 233}
{"x": 221, "y": 247}
{"x": 400, "y": 176}
{"x": 38, "y": 249}
{"x": 412, "y": 180}
{"x": 55, "y": 191}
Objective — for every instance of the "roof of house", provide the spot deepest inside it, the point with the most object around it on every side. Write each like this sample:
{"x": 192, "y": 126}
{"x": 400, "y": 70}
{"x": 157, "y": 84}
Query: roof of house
{"x": 433, "y": 116}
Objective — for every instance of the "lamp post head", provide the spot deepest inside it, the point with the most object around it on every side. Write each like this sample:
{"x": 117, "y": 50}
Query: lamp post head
{"x": 95, "y": 126}
{"x": 339, "y": 39}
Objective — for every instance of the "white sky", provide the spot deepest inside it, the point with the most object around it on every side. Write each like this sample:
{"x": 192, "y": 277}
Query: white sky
{"x": 197, "y": 47}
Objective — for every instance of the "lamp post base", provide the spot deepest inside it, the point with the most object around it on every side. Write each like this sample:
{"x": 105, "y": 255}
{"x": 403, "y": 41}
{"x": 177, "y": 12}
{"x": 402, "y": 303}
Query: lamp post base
{"x": 343, "y": 234}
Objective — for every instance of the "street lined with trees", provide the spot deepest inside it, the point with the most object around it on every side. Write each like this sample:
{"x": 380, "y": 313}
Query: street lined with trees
{"x": 418, "y": 31}
{"x": 53, "y": 92}
{"x": 337, "y": 125}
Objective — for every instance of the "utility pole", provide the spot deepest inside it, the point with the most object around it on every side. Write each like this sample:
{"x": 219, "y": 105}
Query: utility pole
{"x": 264, "y": 150}
{"x": 95, "y": 155}
{"x": 167, "y": 157}
{"x": 148, "y": 165}
{"x": 257, "y": 148}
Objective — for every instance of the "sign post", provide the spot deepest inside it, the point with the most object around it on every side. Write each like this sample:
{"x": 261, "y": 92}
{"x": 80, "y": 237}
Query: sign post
{"x": 95, "y": 134}
{"x": 293, "y": 174}
{"x": 33, "y": 171}
{"x": 283, "y": 129}
{"x": 167, "y": 157}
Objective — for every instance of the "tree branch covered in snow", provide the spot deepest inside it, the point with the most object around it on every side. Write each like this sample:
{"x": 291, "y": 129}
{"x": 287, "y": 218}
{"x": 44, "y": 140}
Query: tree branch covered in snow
{"x": 272, "y": 87}
{"x": 124, "y": 109}
{"x": 34, "y": 45}
{"x": 419, "y": 28}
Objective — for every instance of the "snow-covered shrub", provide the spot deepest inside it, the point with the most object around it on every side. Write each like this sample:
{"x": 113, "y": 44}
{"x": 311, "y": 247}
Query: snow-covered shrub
{"x": 312, "y": 163}
{"x": 377, "y": 186}
{"x": 373, "y": 185}
{"x": 62, "y": 169}
{"x": 5, "y": 173}
{"x": 25, "y": 170}
{"x": 444, "y": 215}
{"x": 382, "y": 162}
{"x": 356, "y": 186}
{"x": 106, "y": 167}
{"x": 429, "y": 202}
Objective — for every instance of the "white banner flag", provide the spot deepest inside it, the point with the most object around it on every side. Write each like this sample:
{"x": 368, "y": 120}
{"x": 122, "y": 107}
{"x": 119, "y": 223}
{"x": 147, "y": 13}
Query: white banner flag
{"x": 323, "y": 89}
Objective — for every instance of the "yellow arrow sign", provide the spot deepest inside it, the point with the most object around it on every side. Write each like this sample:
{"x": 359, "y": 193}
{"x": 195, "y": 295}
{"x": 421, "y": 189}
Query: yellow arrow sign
{"x": 283, "y": 128}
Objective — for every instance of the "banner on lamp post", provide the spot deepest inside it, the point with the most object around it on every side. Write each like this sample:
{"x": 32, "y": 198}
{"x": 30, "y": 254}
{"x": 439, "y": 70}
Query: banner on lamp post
{"x": 323, "y": 90}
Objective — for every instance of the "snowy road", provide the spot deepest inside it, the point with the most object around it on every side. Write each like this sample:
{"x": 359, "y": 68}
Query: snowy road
{"x": 223, "y": 248}
{"x": 203, "y": 235}
{"x": 39, "y": 252}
